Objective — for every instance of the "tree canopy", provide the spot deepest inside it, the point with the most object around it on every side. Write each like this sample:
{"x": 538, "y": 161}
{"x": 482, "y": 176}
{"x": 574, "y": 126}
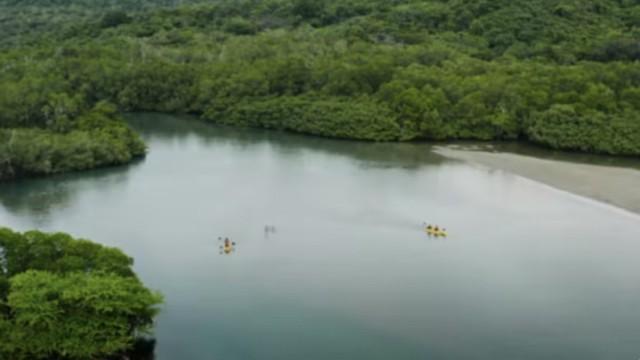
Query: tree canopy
{"x": 70, "y": 299}
{"x": 563, "y": 74}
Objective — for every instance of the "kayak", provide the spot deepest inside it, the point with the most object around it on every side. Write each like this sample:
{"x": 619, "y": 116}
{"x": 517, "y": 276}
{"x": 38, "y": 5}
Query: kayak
{"x": 437, "y": 233}
{"x": 228, "y": 249}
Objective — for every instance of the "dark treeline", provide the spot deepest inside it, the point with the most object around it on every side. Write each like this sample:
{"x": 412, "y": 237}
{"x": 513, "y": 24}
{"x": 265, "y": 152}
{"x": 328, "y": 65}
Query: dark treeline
{"x": 564, "y": 74}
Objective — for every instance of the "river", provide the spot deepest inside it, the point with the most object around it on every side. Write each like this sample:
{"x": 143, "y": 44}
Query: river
{"x": 527, "y": 272}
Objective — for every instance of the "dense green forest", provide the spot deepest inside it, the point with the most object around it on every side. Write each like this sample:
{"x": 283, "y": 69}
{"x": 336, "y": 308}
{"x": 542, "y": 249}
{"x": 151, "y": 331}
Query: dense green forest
{"x": 63, "y": 298}
{"x": 564, "y": 74}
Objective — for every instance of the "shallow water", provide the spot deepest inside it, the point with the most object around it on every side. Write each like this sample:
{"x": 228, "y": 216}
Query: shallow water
{"x": 526, "y": 273}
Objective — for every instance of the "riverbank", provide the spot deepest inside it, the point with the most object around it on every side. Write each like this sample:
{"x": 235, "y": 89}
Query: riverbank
{"x": 607, "y": 184}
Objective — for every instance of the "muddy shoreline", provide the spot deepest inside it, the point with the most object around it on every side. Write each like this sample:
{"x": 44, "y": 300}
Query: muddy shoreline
{"x": 617, "y": 186}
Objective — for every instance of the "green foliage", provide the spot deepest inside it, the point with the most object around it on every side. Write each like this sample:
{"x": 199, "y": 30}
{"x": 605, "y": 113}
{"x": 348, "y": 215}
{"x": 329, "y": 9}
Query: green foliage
{"x": 240, "y": 26}
{"x": 68, "y": 298}
{"x": 562, "y": 127}
{"x": 59, "y": 253}
{"x": 362, "y": 69}
{"x": 114, "y": 18}
{"x": 361, "y": 118}
{"x": 92, "y": 139}
{"x": 75, "y": 315}
{"x": 307, "y": 9}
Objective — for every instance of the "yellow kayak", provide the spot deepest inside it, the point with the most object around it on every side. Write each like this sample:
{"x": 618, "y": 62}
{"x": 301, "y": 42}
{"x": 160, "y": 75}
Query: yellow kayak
{"x": 437, "y": 233}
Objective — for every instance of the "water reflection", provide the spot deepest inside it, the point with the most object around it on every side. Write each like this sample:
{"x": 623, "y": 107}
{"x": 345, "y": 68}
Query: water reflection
{"x": 369, "y": 154}
{"x": 40, "y": 197}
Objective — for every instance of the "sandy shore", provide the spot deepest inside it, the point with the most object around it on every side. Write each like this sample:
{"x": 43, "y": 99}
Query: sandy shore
{"x": 617, "y": 186}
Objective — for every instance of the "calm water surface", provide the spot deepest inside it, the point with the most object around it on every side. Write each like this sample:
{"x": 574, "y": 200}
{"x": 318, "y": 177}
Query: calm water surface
{"x": 526, "y": 273}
